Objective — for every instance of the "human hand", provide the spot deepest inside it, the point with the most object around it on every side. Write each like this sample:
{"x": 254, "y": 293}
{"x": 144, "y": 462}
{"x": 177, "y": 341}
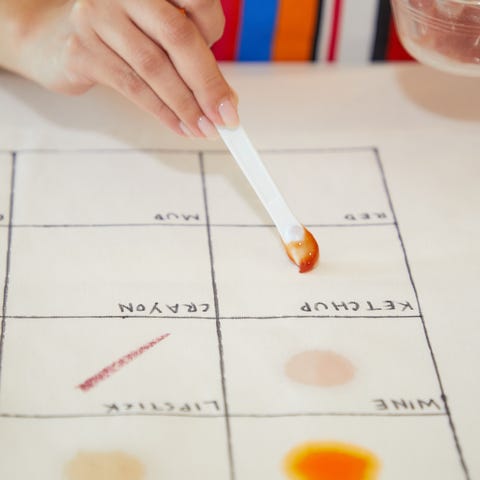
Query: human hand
{"x": 148, "y": 50}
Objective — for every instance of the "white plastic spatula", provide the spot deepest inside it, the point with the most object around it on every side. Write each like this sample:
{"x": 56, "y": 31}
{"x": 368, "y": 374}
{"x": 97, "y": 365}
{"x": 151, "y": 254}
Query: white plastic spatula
{"x": 299, "y": 242}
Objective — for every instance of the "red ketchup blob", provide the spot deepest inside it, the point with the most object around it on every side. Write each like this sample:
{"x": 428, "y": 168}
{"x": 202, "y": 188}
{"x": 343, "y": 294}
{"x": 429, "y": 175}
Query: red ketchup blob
{"x": 304, "y": 253}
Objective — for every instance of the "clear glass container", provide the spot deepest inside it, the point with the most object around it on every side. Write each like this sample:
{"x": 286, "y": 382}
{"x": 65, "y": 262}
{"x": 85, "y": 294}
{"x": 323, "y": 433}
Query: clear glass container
{"x": 444, "y": 34}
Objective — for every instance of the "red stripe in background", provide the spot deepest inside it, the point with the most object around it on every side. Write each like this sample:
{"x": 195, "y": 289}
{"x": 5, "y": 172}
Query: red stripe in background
{"x": 226, "y": 47}
{"x": 335, "y": 30}
{"x": 395, "y": 50}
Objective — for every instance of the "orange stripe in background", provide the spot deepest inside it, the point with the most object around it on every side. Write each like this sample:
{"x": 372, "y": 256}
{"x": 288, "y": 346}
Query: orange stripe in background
{"x": 295, "y": 30}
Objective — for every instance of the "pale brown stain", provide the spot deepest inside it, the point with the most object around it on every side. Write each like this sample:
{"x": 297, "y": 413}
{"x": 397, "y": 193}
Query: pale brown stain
{"x": 320, "y": 368}
{"x": 114, "y": 465}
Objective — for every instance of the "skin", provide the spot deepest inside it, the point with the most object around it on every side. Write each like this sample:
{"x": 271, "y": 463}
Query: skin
{"x": 150, "y": 51}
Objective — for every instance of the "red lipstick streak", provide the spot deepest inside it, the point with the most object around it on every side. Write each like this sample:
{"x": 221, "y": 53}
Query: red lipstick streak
{"x": 118, "y": 364}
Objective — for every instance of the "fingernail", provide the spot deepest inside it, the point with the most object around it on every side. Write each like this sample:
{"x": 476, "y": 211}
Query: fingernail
{"x": 229, "y": 114}
{"x": 207, "y": 128}
{"x": 186, "y": 130}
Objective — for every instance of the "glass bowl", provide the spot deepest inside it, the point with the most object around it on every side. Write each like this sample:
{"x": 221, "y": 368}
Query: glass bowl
{"x": 444, "y": 34}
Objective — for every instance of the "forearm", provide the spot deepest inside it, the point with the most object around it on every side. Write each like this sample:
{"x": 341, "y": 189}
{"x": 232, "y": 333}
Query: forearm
{"x": 20, "y": 22}
{"x": 10, "y": 26}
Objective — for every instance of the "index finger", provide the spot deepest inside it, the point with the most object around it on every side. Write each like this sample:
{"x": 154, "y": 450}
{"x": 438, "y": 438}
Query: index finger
{"x": 190, "y": 55}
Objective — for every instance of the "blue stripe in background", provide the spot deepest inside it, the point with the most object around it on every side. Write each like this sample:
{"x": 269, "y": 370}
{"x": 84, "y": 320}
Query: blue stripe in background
{"x": 257, "y": 29}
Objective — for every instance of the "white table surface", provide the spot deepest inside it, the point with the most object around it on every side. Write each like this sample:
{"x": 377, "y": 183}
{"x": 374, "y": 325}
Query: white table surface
{"x": 426, "y": 126}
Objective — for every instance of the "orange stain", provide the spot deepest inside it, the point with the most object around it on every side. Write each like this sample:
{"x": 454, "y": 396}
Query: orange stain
{"x": 304, "y": 253}
{"x": 331, "y": 461}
